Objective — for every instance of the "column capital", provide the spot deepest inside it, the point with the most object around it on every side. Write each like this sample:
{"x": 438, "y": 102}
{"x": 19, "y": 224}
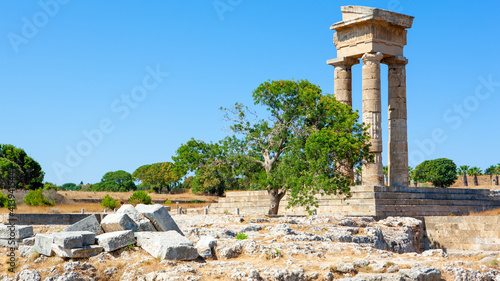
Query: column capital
{"x": 372, "y": 57}
{"x": 343, "y": 61}
{"x": 395, "y": 60}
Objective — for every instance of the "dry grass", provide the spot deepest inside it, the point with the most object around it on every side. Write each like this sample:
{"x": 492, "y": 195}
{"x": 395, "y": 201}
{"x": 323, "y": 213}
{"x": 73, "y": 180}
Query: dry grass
{"x": 495, "y": 212}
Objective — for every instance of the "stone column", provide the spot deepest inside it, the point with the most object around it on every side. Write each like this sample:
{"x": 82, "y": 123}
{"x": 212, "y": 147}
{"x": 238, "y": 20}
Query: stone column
{"x": 343, "y": 79}
{"x": 373, "y": 174}
{"x": 398, "y": 140}
{"x": 343, "y": 93}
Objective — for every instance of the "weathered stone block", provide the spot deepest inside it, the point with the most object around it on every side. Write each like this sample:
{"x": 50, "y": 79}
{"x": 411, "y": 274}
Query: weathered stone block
{"x": 68, "y": 240}
{"x": 84, "y": 252}
{"x": 206, "y": 245}
{"x": 89, "y": 223}
{"x": 15, "y": 231}
{"x": 167, "y": 245}
{"x": 28, "y": 241}
{"x": 115, "y": 240}
{"x": 118, "y": 222}
{"x": 43, "y": 244}
{"x": 159, "y": 216}
{"x": 88, "y": 238}
{"x": 8, "y": 243}
{"x": 26, "y": 251}
{"x": 143, "y": 223}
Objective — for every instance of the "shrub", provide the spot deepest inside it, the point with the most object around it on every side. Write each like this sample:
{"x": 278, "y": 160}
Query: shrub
{"x": 139, "y": 197}
{"x": 440, "y": 172}
{"x": 6, "y": 202}
{"x": 241, "y": 236}
{"x": 49, "y": 185}
{"x": 36, "y": 198}
{"x": 196, "y": 201}
{"x": 109, "y": 202}
{"x": 168, "y": 202}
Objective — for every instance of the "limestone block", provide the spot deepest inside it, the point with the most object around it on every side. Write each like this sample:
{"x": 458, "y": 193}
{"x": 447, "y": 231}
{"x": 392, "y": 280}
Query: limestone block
{"x": 167, "y": 245}
{"x": 88, "y": 238}
{"x": 16, "y": 231}
{"x": 26, "y": 251}
{"x": 143, "y": 223}
{"x": 428, "y": 273}
{"x": 84, "y": 252}
{"x": 206, "y": 245}
{"x": 68, "y": 240}
{"x": 115, "y": 240}
{"x": 8, "y": 243}
{"x": 89, "y": 223}
{"x": 118, "y": 222}
{"x": 28, "y": 241}
{"x": 159, "y": 216}
{"x": 43, "y": 244}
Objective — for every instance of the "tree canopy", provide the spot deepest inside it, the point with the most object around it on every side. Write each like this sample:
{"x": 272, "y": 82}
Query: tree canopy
{"x": 31, "y": 176}
{"x": 440, "y": 172}
{"x": 158, "y": 175}
{"x": 115, "y": 181}
{"x": 303, "y": 146}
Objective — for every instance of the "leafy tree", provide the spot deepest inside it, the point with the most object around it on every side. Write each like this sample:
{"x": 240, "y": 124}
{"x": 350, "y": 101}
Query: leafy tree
{"x": 304, "y": 146}
{"x": 440, "y": 172}
{"x": 386, "y": 172}
{"x": 70, "y": 186}
{"x": 139, "y": 197}
{"x": 411, "y": 175}
{"x": 211, "y": 163}
{"x": 109, "y": 202}
{"x": 497, "y": 172}
{"x": 115, "y": 181}
{"x": 463, "y": 171}
{"x": 32, "y": 174}
{"x": 7, "y": 202}
{"x": 475, "y": 171}
{"x": 158, "y": 175}
{"x": 10, "y": 174}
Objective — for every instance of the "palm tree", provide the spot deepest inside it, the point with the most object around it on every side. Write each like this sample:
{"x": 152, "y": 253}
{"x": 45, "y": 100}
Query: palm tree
{"x": 386, "y": 171}
{"x": 490, "y": 171}
{"x": 475, "y": 171}
{"x": 462, "y": 171}
{"x": 497, "y": 171}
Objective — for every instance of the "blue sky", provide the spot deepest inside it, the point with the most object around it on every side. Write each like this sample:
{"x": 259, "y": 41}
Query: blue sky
{"x": 89, "y": 87}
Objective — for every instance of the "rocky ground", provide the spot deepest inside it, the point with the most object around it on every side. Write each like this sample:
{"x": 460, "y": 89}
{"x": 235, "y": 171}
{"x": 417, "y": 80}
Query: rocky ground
{"x": 285, "y": 248}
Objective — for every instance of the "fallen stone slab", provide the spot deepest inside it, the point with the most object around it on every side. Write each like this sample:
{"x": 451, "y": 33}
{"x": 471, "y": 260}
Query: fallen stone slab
{"x": 143, "y": 223}
{"x": 118, "y": 222}
{"x": 87, "y": 237}
{"x": 84, "y": 252}
{"x": 206, "y": 246}
{"x": 427, "y": 273}
{"x": 43, "y": 244}
{"x": 168, "y": 245}
{"x": 68, "y": 240}
{"x": 159, "y": 216}
{"x": 89, "y": 223}
{"x": 17, "y": 232}
{"x": 28, "y": 241}
{"x": 115, "y": 240}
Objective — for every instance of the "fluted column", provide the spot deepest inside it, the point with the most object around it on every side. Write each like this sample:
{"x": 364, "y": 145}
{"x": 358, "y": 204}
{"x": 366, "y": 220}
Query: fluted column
{"x": 343, "y": 93}
{"x": 398, "y": 140}
{"x": 372, "y": 108}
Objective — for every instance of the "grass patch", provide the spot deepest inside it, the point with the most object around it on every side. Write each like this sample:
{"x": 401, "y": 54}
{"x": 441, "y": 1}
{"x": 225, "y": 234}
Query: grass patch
{"x": 241, "y": 236}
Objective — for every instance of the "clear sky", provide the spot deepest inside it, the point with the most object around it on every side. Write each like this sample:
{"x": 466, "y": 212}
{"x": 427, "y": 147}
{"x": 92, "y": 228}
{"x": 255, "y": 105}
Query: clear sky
{"x": 89, "y": 87}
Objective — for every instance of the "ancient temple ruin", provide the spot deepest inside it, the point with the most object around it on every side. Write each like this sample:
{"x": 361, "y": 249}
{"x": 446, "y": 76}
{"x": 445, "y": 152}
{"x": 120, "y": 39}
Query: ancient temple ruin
{"x": 375, "y": 36}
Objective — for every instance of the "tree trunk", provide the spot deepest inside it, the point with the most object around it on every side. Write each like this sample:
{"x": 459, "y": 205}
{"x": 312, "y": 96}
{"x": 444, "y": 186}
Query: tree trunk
{"x": 496, "y": 181}
{"x": 475, "y": 181}
{"x": 465, "y": 180}
{"x": 275, "y": 196}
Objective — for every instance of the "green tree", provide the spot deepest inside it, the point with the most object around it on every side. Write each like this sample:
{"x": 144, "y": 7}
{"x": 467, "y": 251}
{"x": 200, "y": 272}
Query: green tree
{"x": 386, "y": 172}
{"x": 115, "y": 181}
{"x": 411, "y": 175}
{"x": 36, "y": 198}
{"x": 440, "y": 172}
{"x": 211, "y": 163}
{"x": 475, "y": 171}
{"x": 463, "y": 171}
{"x": 497, "y": 172}
{"x": 10, "y": 174}
{"x": 158, "y": 175}
{"x": 32, "y": 176}
{"x": 304, "y": 146}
